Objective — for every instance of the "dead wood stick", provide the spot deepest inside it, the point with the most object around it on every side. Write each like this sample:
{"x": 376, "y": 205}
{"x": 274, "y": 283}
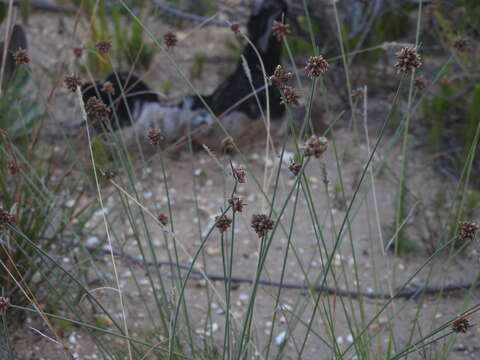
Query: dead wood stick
{"x": 407, "y": 294}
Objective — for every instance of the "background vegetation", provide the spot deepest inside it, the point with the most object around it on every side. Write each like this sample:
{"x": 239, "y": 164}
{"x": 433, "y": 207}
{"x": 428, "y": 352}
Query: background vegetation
{"x": 64, "y": 216}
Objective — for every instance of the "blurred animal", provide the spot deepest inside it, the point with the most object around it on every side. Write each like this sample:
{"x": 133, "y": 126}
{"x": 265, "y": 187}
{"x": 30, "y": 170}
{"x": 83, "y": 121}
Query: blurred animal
{"x": 237, "y": 101}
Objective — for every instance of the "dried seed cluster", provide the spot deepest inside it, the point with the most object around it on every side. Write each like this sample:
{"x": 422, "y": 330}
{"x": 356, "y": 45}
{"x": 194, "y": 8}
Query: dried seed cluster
{"x": 467, "y": 230}
{"x": 4, "y": 304}
{"x": 315, "y": 146}
{"x": 239, "y": 174}
{"x": 291, "y": 96}
{"x": 223, "y": 223}
{"x": 236, "y": 204}
{"x": 420, "y": 83}
{"x": 316, "y": 66}
{"x": 71, "y": 82}
{"x": 97, "y": 108}
{"x": 294, "y": 168}
{"x": 261, "y": 223}
{"x": 104, "y": 46}
{"x": 6, "y": 219}
{"x": 170, "y": 40}
{"x": 461, "y": 325}
{"x": 13, "y": 167}
{"x": 109, "y": 174}
{"x": 407, "y": 60}
{"x": 280, "y": 30}
{"x": 280, "y": 78}
{"x": 155, "y": 136}
{"x": 235, "y": 28}
{"x": 358, "y": 93}
{"x": 462, "y": 44}
{"x": 162, "y": 219}
{"x": 78, "y": 51}
{"x": 21, "y": 57}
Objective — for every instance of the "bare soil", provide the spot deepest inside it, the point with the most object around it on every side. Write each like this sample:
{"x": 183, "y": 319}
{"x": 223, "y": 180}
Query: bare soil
{"x": 51, "y": 53}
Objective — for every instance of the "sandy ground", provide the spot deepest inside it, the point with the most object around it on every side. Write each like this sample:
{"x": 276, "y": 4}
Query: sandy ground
{"x": 376, "y": 270}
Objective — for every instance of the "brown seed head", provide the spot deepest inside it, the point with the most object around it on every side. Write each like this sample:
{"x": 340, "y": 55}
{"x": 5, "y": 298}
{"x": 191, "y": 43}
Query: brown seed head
{"x": 261, "y": 223}
{"x": 236, "y": 204}
{"x": 71, "y": 82}
{"x": 467, "y": 230}
{"x": 155, "y": 136}
{"x": 407, "y": 60}
{"x": 21, "y": 57}
{"x": 294, "y": 168}
{"x": 291, "y": 96}
{"x": 280, "y": 77}
{"x": 170, "y": 40}
{"x": 109, "y": 174}
{"x": 235, "y": 28}
{"x": 4, "y": 304}
{"x": 239, "y": 174}
{"x": 78, "y": 51}
{"x": 96, "y": 108}
{"x": 6, "y": 219}
{"x": 280, "y": 30}
{"x": 316, "y": 66}
{"x": 223, "y": 223}
{"x": 108, "y": 88}
{"x": 104, "y": 46}
{"x": 13, "y": 167}
{"x": 462, "y": 44}
{"x": 461, "y": 325}
{"x": 420, "y": 82}
{"x": 162, "y": 219}
{"x": 358, "y": 93}
{"x": 315, "y": 146}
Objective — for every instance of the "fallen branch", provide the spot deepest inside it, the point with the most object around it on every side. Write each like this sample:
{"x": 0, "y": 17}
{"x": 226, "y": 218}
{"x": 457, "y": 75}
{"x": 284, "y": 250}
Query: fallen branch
{"x": 45, "y": 6}
{"x": 403, "y": 294}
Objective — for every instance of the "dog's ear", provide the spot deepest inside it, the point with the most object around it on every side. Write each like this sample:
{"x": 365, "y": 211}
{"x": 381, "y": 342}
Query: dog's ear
{"x": 17, "y": 41}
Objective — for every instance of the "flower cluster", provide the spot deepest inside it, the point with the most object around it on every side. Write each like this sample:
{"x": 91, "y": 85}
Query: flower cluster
{"x": 462, "y": 44}
{"x": 71, "y": 82}
{"x": 461, "y": 325}
{"x": 97, "y": 108}
{"x": 223, "y": 223}
{"x": 162, "y": 219}
{"x": 21, "y": 57}
{"x": 315, "y": 146}
{"x": 239, "y": 174}
{"x": 261, "y": 223}
{"x": 280, "y": 78}
{"x": 280, "y": 30}
{"x": 236, "y": 204}
{"x": 170, "y": 40}
{"x": 155, "y": 136}
{"x": 6, "y": 219}
{"x": 467, "y": 230}
{"x": 4, "y": 304}
{"x": 104, "y": 46}
{"x": 316, "y": 66}
{"x": 407, "y": 60}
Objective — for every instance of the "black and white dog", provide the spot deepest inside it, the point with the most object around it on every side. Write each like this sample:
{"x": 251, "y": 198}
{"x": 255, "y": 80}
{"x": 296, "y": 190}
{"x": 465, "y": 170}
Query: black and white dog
{"x": 236, "y": 101}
